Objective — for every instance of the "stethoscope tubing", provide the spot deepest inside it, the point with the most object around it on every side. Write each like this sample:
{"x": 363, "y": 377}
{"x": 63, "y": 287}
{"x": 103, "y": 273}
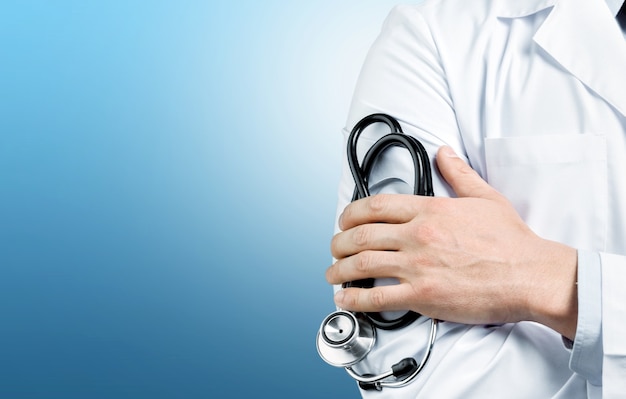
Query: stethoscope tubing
{"x": 348, "y": 354}
{"x": 378, "y": 380}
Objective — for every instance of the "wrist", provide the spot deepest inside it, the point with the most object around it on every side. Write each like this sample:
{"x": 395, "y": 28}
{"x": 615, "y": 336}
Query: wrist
{"x": 553, "y": 296}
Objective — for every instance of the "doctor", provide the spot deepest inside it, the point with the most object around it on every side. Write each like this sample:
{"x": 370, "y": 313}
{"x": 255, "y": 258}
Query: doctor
{"x": 524, "y": 104}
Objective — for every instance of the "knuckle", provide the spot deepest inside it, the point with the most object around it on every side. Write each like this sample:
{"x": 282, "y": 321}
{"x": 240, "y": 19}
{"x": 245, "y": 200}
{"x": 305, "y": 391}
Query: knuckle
{"x": 363, "y": 263}
{"x": 462, "y": 173}
{"x": 361, "y": 236}
{"x": 419, "y": 260}
{"x": 465, "y": 170}
{"x": 424, "y": 233}
{"x": 377, "y": 298}
{"x": 427, "y": 290}
{"x": 378, "y": 204}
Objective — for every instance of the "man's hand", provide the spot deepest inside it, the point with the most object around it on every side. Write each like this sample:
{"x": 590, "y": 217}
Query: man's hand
{"x": 469, "y": 259}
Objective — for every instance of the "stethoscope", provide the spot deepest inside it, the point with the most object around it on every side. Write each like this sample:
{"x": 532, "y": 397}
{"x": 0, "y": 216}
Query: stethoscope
{"x": 346, "y": 338}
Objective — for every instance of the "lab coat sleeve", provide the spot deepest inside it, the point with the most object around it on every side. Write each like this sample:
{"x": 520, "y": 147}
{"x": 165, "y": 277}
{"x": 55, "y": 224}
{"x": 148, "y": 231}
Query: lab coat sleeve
{"x": 613, "y": 325}
{"x": 586, "y": 357}
{"x": 402, "y": 76}
{"x": 599, "y": 350}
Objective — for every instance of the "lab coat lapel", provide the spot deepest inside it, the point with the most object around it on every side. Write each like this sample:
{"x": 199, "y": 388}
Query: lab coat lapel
{"x": 582, "y": 36}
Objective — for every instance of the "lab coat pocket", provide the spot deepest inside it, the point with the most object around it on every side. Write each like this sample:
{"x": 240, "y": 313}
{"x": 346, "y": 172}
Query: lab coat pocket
{"x": 557, "y": 183}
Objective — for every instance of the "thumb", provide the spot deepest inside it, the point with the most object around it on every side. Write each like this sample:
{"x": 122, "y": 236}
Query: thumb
{"x": 462, "y": 178}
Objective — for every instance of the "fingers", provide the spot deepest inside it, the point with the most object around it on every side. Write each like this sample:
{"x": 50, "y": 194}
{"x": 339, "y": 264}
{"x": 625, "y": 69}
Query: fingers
{"x": 376, "y": 299}
{"x": 399, "y": 208}
{"x": 462, "y": 178}
{"x": 377, "y": 237}
{"x": 367, "y": 264}
{"x": 381, "y": 208}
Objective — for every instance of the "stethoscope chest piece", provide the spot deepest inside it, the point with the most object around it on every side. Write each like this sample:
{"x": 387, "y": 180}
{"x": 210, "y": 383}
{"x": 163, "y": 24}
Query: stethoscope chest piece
{"x": 345, "y": 338}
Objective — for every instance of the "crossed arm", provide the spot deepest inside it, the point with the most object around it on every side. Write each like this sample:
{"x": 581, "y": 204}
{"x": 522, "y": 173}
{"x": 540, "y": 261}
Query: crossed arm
{"x": 469, "y": 259}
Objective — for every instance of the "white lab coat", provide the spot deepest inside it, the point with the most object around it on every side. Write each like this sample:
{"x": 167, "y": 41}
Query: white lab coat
{"x": 533, "y": 94}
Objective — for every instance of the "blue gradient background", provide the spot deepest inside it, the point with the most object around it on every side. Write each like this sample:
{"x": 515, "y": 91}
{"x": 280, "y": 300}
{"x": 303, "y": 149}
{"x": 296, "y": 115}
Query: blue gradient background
{"x": 168, "y": 174}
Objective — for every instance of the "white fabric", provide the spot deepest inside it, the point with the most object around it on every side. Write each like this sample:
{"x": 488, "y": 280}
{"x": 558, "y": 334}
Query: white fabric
{"x": 533, "y": 95}
{"x": 614, "y": 5}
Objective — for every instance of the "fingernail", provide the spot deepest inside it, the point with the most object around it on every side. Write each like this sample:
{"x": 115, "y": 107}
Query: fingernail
{"x": 449, "y": 152}
{"x": 340, "y": 221}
